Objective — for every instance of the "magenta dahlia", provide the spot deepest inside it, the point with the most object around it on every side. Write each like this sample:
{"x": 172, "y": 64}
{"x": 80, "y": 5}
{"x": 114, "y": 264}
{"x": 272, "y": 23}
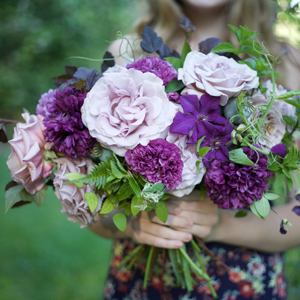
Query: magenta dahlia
{"x": 64, "y": 126}
{"x": 153, "y": 64}
{"x": 232, "y": 185}
{"x": 159, "y": 161}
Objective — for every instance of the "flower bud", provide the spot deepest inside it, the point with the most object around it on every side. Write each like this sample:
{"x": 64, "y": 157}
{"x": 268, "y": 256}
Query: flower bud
{"x": 233, "y": 134}
{"x": 241, "y": 128}
{"x": 239, "y": 137}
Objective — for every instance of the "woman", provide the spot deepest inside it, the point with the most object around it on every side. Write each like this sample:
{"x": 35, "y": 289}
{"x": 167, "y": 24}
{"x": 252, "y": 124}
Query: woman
{"x": 249, "y": 246}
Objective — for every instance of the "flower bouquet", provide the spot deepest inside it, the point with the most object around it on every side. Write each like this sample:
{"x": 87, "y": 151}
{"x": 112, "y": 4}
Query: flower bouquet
{"x": 126, "y": 138}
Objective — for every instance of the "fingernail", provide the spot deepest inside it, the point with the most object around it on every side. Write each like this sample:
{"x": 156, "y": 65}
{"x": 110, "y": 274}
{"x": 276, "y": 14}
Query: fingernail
{"x": 179, "y": 244}
{"x": 188, "y": 237}
{"x": 189, "y": 223}
{"x": 177, "y": 210}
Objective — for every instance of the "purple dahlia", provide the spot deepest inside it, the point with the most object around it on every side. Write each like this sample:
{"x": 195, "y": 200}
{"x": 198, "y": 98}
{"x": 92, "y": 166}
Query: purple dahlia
{"x": 64, "y": 126}
{"x": 232, "y": 185}
{"x": 153, "y": 64}
{"x": 159, "y": 161}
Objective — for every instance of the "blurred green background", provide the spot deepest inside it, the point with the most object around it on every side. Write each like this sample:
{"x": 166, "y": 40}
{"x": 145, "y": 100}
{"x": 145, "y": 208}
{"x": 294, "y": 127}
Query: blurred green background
{"x": 42, "y": 255}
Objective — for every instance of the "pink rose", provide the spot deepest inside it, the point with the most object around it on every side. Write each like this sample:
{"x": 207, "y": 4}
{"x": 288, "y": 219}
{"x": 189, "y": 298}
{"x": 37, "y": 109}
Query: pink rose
{"x": 126, "y": 109}
{"x": 26, "y": 163}
{"x": 190, "y": 175}
{"x": 71, "y": 197}
{"x": 274, "y": 126}
{"x": 216, "y": 75}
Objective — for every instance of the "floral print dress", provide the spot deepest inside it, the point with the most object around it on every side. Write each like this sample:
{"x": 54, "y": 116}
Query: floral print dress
{"x": 251, "y": 275}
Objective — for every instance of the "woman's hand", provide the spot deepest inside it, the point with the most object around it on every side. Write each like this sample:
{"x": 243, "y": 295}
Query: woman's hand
{"x": 146, "y": 228}
{"x": 200, "y": 212}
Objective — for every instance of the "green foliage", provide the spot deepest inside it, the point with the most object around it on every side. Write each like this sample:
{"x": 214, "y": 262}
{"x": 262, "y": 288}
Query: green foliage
{"x": 120, "y": 221}
{"x": 40, "y": 196}
{"x": 203, "y": 151}
{"x": 16, "y": 194}
{"x": 261, "y": 208}
{"x": 241, "y": 214}
{"x": 239, "y": 157}
{"x": 107, "y": 207}
{"x": 161, "y": 211}
{"x": 75, "y": 176}
{"x": 92, "y": 201}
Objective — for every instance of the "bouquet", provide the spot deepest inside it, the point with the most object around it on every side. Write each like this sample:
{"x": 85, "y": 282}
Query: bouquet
{"x": 126, "y": 138}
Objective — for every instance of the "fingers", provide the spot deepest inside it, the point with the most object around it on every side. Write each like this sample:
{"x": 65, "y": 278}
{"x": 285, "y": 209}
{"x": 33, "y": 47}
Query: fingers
{"x": 199, "y": 218}
{"x": 201, "y": 231}
{"x": 146, "y": 232}
{"x": 174, "y": 221}
{"x": 204, "y": 206}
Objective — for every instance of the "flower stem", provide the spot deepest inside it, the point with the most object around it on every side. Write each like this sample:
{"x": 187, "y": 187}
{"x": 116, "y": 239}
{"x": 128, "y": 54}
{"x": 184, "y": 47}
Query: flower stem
{"x": 9, "y": 121}
{"x": 149, "y": 259}
{"x": 131, "y": 254}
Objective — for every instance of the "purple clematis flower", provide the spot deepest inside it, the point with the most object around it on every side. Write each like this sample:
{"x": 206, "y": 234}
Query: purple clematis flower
{"x": 216, "y": 137}
{"x": 279, "y": 149}
{"x": 197, "y": 114}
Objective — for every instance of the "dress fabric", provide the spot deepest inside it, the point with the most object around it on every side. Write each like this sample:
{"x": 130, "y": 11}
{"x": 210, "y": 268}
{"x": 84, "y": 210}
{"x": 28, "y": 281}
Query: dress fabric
{"x": 252, "y": 275}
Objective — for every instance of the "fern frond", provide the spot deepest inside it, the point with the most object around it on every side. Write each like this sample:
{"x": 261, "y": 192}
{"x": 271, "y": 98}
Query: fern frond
{"x": 97, "y": 176}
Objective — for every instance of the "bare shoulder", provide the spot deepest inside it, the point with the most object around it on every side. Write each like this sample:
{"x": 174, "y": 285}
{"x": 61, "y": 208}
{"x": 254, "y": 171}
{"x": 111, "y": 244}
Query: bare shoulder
{"x": 292, "y": 67}
{"x": 122, "y": 46}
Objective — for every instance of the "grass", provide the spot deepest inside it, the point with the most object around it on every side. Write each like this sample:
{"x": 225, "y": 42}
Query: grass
{"x": 44, "y": 256}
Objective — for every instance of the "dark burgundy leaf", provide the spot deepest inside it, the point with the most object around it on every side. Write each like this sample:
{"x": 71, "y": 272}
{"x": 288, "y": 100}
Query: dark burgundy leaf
{"x": 207, "y": 45}
{"x": 10, "y": 185}
{"x": 59, "y": 80}
{"x": 229, "y": 55}
{"x": 3, "y": 137}
{"x": 20, "y": 203}
{"x": 282, "y": 230}
{"x": 107, "y": 63}
{"x": 71, "y": 70}
{"x": 151, "y": 42}
{"x": 164, "y": 51}
{"x": 296, "y": 210}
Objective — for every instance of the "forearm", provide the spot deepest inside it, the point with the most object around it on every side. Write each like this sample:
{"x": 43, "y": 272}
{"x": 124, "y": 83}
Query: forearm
{"x": 260, "y": 234}
{"x": 106, "y": 228}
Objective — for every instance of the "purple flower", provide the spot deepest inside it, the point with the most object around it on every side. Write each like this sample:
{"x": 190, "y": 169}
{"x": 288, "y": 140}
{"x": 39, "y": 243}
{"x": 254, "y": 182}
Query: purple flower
{"x": 279, "y": 149}
{"x": 153, "y": 64}
{"x": 216, "y": 137}
{"x": 197, "y": 114}
{"x": 64, "y": 126}
{"x": 46, "y": 98}
{"x": 296, "y": 210}
{"x": 159, "y": 161}
{"x": 232, "y": 185}
{"x": 186, "y": 25}
{"x": 174, "y": 96}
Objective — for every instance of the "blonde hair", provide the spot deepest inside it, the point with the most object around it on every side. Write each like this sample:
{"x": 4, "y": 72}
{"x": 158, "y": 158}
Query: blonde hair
{"x": 164, "y": 16}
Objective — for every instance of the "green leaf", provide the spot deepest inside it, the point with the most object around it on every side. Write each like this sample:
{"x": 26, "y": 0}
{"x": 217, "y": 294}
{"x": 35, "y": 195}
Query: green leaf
{"x": 74, "y": 176}
{"x": 263, "y": 207}
{"x": 40, "y": 196}
{"x": 289, "y": 120}
{"x": 150, "y": 207}
{"x": 135, "y": 203}
{"x": 239, "y": 157}
{"x": 92, "y": 201}
{"x": 119, "y": 165}
{"x": 254, "y": 210}
{"x": 271, "y": 196}
{"x": 174, "y": 86}
{"x": 114, "y": 198}
{"x": 107, "y": 207}
{"x": 161, "y": 211}
{"x": 127, "y": 210}
{"x": 14, "y": 195}
{"x": 236, "y": 31}
{"x": 185, "y": 51}
{"x": 175, "y": 62}
{"x": 225, "y": 47}
{"x": 115, "y": 171}
{"x": 156, "y": 187}
{"x": 289, "y": 95}
{"x": 247, "y": 34}
{"x": 199, "y": 143}
{"x": 134, "y": 185}
{"x": 120, "y": 221}
{"x": 241, "y": 214}
{"x": 203, "y": 151}
{"x": 125, "y": 191}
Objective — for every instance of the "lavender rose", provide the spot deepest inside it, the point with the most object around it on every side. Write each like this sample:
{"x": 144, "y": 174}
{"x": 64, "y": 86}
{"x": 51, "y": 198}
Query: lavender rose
{"x": 71, "y": 197}
{"x": 190, "y": 176}
{"x": 232, "y": 185}
{"x": 159, "y": 161}
{"x": 216, "y": 75}
{"x": 26, "y": 163}
{"x": 126, "y": 109}
{"x": 274, "y": 126}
